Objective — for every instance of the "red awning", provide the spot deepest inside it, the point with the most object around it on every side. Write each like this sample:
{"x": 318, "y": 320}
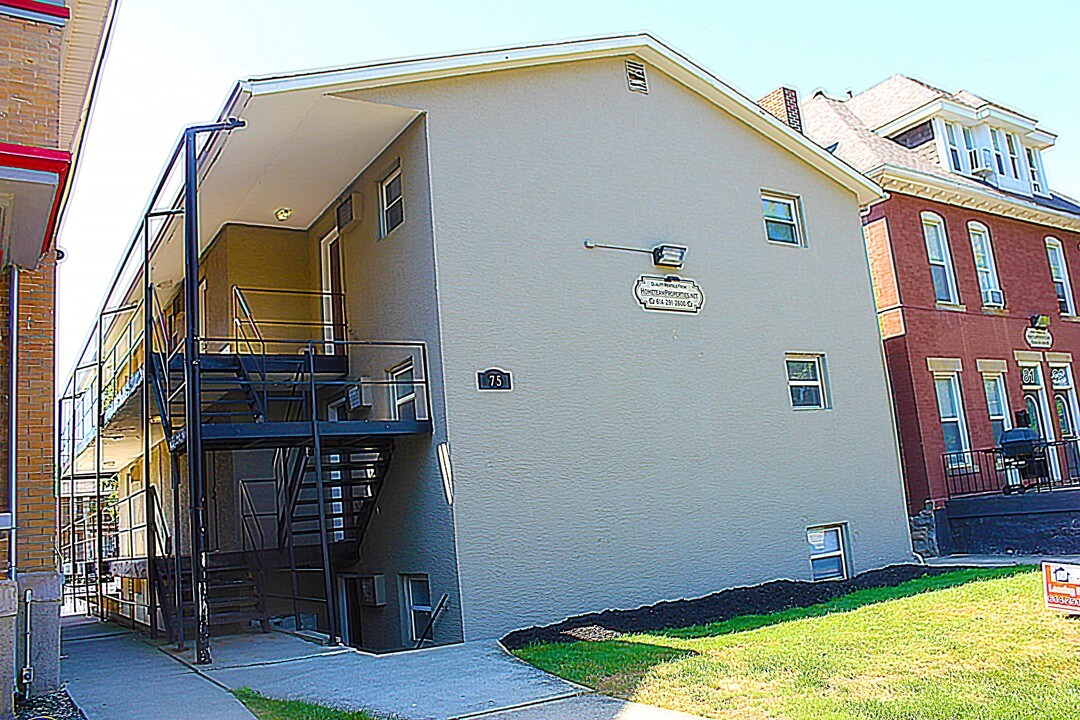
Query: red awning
{"x": 32, "y": 182}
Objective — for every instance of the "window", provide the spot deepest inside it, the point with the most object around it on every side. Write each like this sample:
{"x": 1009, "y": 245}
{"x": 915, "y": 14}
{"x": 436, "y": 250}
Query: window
{"x": 1038, "y": 185}
{"x": 1059, "y": 273}
{"x": 997, "y": 404}
{"x": 1014, "y": 154}
{"x": 972, "y": 149}
{"x": 806, "y": 381}
{"x": 417, "y": 606}
{"x": 828, "y": 556}
{"x": 1064, "y": 400}
{"x": 999, "y": 156}
{"x": 782, "y": 221}
{"x": 937, "y": 249}
{"x": 402, "y": 392}
{"x": 954, "y": 148}
{"x": 393, "y": 204}
{"x": 984, "y": 265}
{"x": 951, "y": 412}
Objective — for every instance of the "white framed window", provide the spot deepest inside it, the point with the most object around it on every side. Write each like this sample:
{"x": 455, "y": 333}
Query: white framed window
{"x": 951, "y": 412}
{"x": 1059, "y": 274}
{"x": 985, "y": 268}
{"x": 1035, "y": 169}
{"x": 416, "y": 591}
{"x": 997, "y": 404}
{"x": 807, "y": 384}
{"x": 783, "y": 222}
{"x": 402, "y": 379}
{"x": 1013, "y": 146}
{"x": 972, "y": 149}
{"x": 952, "y": 143}
{"x": 941, "y": 267}
{"x": 999, "y": 155}
{"x": 392, "y": 202}
{"x": 828, "y": 552}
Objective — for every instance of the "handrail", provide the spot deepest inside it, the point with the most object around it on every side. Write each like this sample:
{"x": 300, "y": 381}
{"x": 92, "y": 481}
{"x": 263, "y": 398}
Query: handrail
{"x": 431, "y": 622}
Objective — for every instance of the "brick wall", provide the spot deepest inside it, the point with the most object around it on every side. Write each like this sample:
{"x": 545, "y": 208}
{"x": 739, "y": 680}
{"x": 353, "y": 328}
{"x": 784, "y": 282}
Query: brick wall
{"x": 970, "y": 334}
{"x": 30, "y": 77}
{"x": 783, "y": 104}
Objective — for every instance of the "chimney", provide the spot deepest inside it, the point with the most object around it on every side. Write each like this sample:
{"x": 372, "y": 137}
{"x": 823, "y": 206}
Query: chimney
{"x": 783, "y": 103}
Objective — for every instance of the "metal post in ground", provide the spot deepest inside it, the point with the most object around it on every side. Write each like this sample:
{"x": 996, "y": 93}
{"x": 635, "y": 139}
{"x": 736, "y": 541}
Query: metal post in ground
{"x": 193, "y": 395}
{"x": 320, "y": 498}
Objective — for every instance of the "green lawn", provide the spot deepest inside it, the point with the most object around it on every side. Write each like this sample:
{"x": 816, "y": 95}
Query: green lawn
{"x": 973, "y": 644}
{"x": 266, "y": 708}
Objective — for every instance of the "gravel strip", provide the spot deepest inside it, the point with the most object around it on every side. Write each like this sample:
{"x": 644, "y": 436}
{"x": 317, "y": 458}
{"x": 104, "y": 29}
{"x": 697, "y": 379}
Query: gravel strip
{"x": 54, "y": 706}
{"x": 757, "y": 600}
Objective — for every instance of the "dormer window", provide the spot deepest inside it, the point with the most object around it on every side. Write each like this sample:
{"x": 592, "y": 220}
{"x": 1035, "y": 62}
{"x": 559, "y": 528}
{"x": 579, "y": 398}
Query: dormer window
{"x": 972, "y": 149}
{"x": 1038, "y": 182}
{"x": 954, "y": 148}
{"x": 1014, "y": 154}
{"x": 999, "y": 155}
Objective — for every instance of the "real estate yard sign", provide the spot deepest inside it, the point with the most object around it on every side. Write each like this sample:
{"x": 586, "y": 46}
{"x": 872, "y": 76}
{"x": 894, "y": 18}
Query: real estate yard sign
{"x": 1061, "y": 587}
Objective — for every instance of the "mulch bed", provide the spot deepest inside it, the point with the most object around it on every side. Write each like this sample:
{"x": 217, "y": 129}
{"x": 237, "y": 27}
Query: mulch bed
{"x": 54, "y": 706}
{"x": 757, "y": 600}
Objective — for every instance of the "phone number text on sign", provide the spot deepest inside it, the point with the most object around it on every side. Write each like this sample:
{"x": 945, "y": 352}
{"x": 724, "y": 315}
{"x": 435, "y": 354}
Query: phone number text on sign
{"x": 668, "y": 294}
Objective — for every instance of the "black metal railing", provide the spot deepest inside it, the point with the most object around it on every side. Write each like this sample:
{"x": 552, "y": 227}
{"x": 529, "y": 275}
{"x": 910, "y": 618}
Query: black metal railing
{"x": 106, "y": 550}
{"x": 1053, "y": 465}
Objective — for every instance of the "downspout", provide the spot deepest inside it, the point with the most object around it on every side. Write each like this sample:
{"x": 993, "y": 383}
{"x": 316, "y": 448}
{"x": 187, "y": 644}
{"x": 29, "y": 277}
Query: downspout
{"x": 13, "y": 403}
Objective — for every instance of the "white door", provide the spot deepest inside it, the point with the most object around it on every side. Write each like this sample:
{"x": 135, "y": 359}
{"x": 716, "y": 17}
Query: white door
{"x": 333, "y": 299}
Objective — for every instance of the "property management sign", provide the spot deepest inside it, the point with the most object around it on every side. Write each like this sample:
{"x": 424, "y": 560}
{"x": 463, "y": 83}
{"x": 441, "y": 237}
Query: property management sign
{"x": 668, "y": 294}
{"x": 1061, "y": 586}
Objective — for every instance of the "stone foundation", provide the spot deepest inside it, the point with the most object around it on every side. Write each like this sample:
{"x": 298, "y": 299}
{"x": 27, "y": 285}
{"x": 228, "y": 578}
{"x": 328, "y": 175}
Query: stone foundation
{"x": 924, "y": 532}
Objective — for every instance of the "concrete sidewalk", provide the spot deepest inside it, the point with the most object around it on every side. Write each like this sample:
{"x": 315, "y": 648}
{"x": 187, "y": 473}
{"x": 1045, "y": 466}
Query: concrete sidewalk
{"x": 999, "y": 560}
{"x": 476, "y": 679}
{"x": 114, "y": 674}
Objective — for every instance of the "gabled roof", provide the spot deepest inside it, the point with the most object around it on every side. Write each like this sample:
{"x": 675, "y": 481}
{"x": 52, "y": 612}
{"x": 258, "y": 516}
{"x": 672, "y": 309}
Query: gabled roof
{"x": 643, "y": 45}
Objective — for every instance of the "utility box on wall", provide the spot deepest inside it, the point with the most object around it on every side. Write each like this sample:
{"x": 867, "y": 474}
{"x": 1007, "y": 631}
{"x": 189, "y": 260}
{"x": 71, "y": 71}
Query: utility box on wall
{"x": 373, "y": 590}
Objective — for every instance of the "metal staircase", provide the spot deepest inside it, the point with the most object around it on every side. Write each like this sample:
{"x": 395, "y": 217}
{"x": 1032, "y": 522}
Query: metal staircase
{"x": 234, "y": 598}
{"x": 328, "y": 473}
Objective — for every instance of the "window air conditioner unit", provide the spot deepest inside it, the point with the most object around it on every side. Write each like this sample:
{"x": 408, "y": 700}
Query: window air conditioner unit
{"x": 350, "y": 211}
{"x": 985, "y": 164}
{"x": 994, "y": 298}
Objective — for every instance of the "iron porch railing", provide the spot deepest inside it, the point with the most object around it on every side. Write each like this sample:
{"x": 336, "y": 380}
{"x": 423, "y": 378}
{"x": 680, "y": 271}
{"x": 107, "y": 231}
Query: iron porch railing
{"x": 1055, "y": 465}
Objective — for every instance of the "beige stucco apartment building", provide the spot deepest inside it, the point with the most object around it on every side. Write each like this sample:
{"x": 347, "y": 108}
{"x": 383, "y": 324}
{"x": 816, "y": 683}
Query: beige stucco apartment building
{"x": 584, "y": 328}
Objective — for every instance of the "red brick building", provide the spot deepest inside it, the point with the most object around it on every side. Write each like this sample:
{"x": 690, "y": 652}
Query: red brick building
{"x": 975, "y": 262}
{"x": 50, "y": 52}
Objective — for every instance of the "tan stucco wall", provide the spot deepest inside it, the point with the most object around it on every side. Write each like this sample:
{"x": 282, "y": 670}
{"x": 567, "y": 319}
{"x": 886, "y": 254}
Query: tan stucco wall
{"x": 641, "y": 456}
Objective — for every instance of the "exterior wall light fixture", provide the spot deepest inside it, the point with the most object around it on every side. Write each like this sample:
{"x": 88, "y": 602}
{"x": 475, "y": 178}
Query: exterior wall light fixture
{"x": 1040, "y": 321}
{"x": 670, "y": 256}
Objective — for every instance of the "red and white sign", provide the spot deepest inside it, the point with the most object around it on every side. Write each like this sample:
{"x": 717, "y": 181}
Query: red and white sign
{"x": 1061, "y": 587}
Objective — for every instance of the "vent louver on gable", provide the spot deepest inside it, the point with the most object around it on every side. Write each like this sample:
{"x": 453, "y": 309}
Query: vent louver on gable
{"x": 635, "y": 77}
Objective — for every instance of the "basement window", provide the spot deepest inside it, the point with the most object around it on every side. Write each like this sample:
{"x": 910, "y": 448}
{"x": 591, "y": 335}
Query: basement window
{"x": 392, "y": 201}
{"x": 828, "y": 554}
{"x": 417, "y": 606}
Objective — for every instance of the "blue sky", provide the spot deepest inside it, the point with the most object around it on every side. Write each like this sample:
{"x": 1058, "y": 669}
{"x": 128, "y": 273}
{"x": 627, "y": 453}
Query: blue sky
{"x": 172, "y": 63}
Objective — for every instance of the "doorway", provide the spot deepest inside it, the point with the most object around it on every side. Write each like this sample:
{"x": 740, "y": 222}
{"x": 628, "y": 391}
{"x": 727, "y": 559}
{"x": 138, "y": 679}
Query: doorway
{"x": 1039, "y": 413}
{"x": 333, "y": 296}
{"x": 349, "y": 609}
